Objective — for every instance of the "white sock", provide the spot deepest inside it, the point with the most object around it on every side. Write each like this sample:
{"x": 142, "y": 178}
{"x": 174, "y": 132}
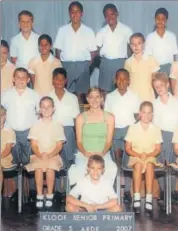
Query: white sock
{"x": 136, "y": 200}
{"x": 39, "y": 204}
{"x": 49, "y": 203}
{"x": 148, "y": 199}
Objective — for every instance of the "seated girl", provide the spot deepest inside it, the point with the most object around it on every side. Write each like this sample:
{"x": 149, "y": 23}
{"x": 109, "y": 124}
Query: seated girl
{"x": 94, "y": 132}
{"x": 95, "y": 192}
{"x": 47, "y": 138}
{"x": 143, "y": 144}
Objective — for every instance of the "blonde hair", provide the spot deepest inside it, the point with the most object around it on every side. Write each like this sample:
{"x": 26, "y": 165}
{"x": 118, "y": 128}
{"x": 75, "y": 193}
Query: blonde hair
{"x": 92, "y": 89}
{"x": 3, "y": 110}
{"x": 160, "y": 76}
{"x": 97, "y": 159}
{"x": 146, "y": 104}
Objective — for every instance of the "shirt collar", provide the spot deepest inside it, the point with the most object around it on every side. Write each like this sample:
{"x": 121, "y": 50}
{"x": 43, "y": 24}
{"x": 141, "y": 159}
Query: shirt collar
{"x": 144, "y": 56}
{"x": 31, "y": 35}
{"x": 49, "y": 59}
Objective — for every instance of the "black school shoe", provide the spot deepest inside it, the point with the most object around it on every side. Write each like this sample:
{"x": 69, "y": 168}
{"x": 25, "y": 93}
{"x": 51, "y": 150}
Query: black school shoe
{"x": 149, "y": 208}
{"x": 137, "y": 209}
{"x": 127, "y": 198}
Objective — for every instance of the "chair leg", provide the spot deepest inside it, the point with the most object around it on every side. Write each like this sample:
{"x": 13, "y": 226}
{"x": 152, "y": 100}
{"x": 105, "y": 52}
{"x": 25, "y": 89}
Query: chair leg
{"x": 167, "y": 192}
{"x": 20, "y": 189}
{"x": 170, "y": 190}
{"x": 67, "y": 184}
{"x": 118, "y": 186}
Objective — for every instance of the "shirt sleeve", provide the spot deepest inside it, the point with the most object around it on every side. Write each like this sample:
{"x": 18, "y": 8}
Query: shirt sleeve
{"x": 33, "y": 133}
{"x": 130, "y": 134}
{"x": 92, "y": 42}
{"x": 13, "y": 48}
{"x": 99, "y": 38}
{"x": 58, "y": 43}
{"x": 111, "y": 193}
{"x": 4, "y": 99}
{"x": 154, "y": 66}
{"x": 31, "y": 67}
{"x": 76, "y": 191}
{"x": 59, "y": 133}
{"x": 76, "y": 109}
{"x": 158, "y": 136}
{"x": 174, "y": 71}
{"x": 148, "y": 46}
{"x": 108, "y": 104}
{"x": 174, "y": 45}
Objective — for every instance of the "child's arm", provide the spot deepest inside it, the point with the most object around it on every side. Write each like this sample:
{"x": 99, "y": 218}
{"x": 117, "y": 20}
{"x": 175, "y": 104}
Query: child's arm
{"x": 156, "y": 151}
{"x": 130, "y": 152}
{"x": 7, "y": 150}
{"x": 56, "y": 150}
{"x": 35, "y": 148}
{"x": 173, "y": 85}
{"x": 176, "y": 149}
{"x": 109, "y": 204}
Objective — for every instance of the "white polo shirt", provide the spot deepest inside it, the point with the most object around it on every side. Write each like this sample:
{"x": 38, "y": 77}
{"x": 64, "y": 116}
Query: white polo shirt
{"x": 114, "y": 43}
{"x": 21, "y": 109}
{"x": 166, "y": 115}
{"x": 161, "y": 48}
{"x": 75, "y": 46}
{"x": 66, "y": 109}
{"x": 93, "y": 193}
{"x": 123, "y": 107}
{"x": 24, "y": 49}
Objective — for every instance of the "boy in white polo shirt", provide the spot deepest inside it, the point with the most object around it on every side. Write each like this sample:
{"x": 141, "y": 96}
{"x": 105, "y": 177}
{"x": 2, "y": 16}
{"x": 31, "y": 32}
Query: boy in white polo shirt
{"x": 21, "y": 103}
{"x": 112, "y": 42}
{"x": 24, "y": 46}
{"x": 174, "y": 78}
{"x": 124, "y": 105}
{"x": 161, "y": 43}
{"x": 66, "y": 111}
{"x": 95, "y": 192}
{"x": 75, "y": 44}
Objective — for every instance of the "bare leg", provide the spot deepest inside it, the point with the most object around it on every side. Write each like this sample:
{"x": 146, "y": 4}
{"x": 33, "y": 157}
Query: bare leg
{"x": 72, "y": 208}
{"x": 137, "y": 177}
{"x": 39, "y": 181}
{"x": 149, "y": 177}
{"x": 50, "y": 179}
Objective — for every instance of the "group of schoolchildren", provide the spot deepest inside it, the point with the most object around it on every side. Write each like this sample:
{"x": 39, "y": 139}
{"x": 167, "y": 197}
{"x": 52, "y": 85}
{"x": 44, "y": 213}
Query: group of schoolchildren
{"x": 40, "y": 110}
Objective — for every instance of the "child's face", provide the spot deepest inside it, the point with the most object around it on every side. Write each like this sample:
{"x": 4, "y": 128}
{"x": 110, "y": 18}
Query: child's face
{"x": 161, "y": 87}
{"x": 137, "y": 45}
{"x": 3, "y": 118}
{"x": 95, "y": 170}
{"x": 44, "y": 47}
{"x": 59, "y": 81}
{"x": 111, "y": 17}
{"x": 46, "y": 109}
{"x": 160, "y": 21}
{"x": 26, "y": 23}
{"x": 75, "y": 15}
{"x": 4, "y": 54}
{"x": 146, "y": 114}
{"x": 21, "y": 79}
{"x": 95, "y": 99}
{"x": 122, "y": 81}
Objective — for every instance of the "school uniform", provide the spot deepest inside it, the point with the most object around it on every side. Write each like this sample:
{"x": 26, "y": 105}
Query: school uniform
{"x": 93, "y": 139}
{"x": 7, "y": 72}
{"x": 174, "y": 75}
{"x": 175, "y": 141}
{"x": 46, "y": 143}
{"x": 141, "y": 76}
{"x": 24, "y": 49}
{"x": 113, "y": 52}
{"x": 7, "y": 137}
{"x": 143, "y": 141}
{"x": 21, "y": 115}
{"x": 75, "y": 55}
{"x": 43, "y": 73}
{"x": 66, "y": 111}
{"x": 91, "y": 193}
{"x": 162, "y": 48}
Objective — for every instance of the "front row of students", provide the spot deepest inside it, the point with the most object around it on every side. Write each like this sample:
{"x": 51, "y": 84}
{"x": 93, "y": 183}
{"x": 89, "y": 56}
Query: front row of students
{"x": 94, "y": 134}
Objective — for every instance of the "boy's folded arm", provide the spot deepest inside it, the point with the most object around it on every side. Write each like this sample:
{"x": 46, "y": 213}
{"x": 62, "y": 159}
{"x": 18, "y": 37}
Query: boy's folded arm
{"x": 108, "y": 204}
{"x": 72, "y": 200}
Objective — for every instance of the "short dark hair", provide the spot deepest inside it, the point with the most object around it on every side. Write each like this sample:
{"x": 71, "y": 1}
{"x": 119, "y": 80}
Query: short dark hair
{"x": 46, "y": 37}
{"x": 109, "y": 6}
{"x": 162, "y": 11}
{"x": 25, "y": 12}
{"x": 137, "y": 35}
{"x": 47, "y": 98}
{"x": 60, "y": 70}
{"x": 122, "y": 70}
{"x": 5, "y": 44}
{"x": 96, "y": 158}
{"x": 77, "y": 4}
{"x": 21, "y": 69}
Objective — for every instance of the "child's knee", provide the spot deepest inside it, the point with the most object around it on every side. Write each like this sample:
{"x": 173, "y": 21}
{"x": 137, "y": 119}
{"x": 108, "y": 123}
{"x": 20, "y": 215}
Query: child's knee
{"x": 71, "y": 208}
{"x": 138, "y": 167}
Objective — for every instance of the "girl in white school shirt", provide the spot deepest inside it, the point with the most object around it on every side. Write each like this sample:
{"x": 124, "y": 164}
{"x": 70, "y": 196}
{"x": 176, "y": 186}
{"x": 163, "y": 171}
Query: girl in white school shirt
{"x": 161, "y": 43}
{"x": 47, "y": 138}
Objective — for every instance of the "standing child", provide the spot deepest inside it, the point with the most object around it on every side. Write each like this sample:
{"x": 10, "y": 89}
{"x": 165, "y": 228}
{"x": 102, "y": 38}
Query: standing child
{"x": 96, "y": 193}
{"x": 42, "y": 66}
{"x": 66, "y": 111}
{"x": 7, "y": 142}
{"x": 21, "y": 103}
{"x": 143, "y": 144}
{"x": 24, "y": 46}
{"x": 141, "y": 67}
{"x": 7, "y": 68}
{"x": 112, "y": 42}
{"x": 47, "y": 137}
{"x": 161, "y": 43}
{"x": 75, "y": 44}
{"x": 174, "y": 78}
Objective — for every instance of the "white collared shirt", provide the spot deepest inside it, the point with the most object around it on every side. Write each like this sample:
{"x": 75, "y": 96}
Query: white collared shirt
{"x": 21, "y": 109}
{"x": 75, "y": 46}
{"x": 114, "y": 43}
{"x": 166, "y": 115}
{"x": 24, "y": 49}
{"x": 161, "y": 48}
{"x": 123, "y": 107}
{"x": 66, "y": 109}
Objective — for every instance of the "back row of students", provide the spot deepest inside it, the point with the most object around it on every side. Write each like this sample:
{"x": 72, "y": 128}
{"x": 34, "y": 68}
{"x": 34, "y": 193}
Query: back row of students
{"x": 96, "y": 130}
{"x": 76, "y": 47}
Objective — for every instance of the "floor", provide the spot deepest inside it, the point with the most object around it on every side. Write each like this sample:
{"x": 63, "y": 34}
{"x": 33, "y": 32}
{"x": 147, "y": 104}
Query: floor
{"x": 28, "y": 220}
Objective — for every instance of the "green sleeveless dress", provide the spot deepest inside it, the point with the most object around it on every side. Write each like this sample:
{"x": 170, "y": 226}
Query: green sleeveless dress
{"x": 94, "y": 134}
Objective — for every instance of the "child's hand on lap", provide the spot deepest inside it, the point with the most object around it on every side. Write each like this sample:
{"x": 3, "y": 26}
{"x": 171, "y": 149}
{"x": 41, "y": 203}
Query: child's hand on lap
{"x": 143, "y": 156}
{"x": 90, "y": 208}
